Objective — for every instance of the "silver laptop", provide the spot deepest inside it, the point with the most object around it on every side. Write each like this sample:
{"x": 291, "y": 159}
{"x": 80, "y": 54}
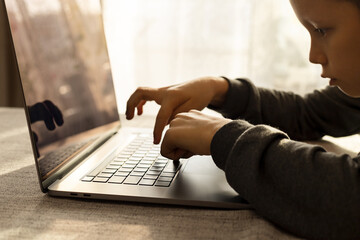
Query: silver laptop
{"x": 79, "y": 146}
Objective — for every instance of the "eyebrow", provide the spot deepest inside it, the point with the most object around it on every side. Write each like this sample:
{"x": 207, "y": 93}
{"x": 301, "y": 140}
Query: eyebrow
{"x": 312, "y": 22}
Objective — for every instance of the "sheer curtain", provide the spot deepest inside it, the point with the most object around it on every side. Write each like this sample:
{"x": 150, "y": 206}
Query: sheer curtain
{"x": 161, "y": 42}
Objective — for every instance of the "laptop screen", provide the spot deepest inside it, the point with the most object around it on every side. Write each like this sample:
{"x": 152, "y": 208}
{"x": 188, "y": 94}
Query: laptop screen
{"x": 65, "y": 72}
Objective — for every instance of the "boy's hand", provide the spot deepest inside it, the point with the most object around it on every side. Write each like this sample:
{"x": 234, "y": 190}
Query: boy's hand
{"x": 190, "y": 134}
{"x": 196, "y": 94}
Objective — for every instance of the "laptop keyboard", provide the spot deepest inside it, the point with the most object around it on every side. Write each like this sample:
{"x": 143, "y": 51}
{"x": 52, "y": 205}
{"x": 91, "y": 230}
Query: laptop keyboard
{"x": 140, "y": 163}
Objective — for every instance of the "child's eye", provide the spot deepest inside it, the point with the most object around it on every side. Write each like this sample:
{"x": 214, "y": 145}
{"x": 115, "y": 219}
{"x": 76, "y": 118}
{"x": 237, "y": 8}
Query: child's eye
{"x": 321, "y": 31}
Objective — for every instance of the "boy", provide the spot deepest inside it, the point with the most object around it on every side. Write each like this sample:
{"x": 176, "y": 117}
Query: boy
{"x": 298, "y": 186}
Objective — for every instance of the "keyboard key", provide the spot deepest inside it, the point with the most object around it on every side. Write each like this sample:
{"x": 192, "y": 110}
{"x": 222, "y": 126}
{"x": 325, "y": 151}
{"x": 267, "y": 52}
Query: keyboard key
{"x": 144, "y": 165}
{"x": 154, "y": 152}
{"x": 161, "y": 165}
{"x": 165, "y": 179}
{"x": 100, "y": 180}
{"x": 127, "y": 151}
{"x": 104, "y": 175}
{"x": 87, "y": 179}
{"x": 126, "y": 165}
{"x": 123, "y": 156}
{"x": 139, "y": 155}
{"x": 139, "y": 169}
{"x": 135, "y": 162}
{"x": 122, "y": 174}
{"x": 125, "y": 169}
{"x": 156, "y": 168}
{"x": 149, "y": 162}
{"x": 156, "y": 173}
{"x": 161, "y": 161}
{"x": 115, "y": 164}
{"x": 162, "y": 184}
{"x": 132, "y": 158}
{"x": 145, "y": 148}
{"x": 112, "y": 166}
{"x": 172, "y": 167}
{"x": 107, "y": 170}
{"x": 153, "y": 155}
{"x": 139, "y": 174}
{"x": 119, "y": 161}
{"x": 133, "y": 180}
{"x": 116, "y": 179}
{"x": 147, "y": 182}
{"x": 153, "y": 177}
{"x": 165, "y": 174}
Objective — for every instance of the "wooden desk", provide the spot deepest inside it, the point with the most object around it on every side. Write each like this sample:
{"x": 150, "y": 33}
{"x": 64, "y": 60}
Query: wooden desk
{"x": 28, "y": 213}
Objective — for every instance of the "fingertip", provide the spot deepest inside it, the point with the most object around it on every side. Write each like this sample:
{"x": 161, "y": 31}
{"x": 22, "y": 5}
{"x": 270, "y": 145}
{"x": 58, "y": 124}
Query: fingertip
{"x": 129, "y": 115}
{"x": 156, "y": 140}
{"x": 157, "y": 135}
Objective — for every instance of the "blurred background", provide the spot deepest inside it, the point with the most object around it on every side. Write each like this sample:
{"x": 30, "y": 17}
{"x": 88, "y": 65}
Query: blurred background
{"x": 160, "y": 42}
{"x": 10, "y": 95}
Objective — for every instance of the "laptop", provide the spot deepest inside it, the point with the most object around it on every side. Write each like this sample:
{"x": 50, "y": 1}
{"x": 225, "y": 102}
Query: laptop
{"x": 80, "y": 148}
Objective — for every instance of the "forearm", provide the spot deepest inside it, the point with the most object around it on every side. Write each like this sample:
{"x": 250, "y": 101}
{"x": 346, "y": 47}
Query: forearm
{"x": 325, "y": 112}
{"x": 298, "y": 186}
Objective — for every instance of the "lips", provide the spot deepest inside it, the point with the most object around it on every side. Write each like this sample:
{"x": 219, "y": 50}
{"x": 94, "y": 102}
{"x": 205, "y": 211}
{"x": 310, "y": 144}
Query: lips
{"x": 332, "y": 81}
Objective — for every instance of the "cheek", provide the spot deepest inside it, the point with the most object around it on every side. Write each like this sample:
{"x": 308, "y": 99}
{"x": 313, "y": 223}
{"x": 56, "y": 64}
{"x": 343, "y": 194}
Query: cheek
{"x": 345, "y": 58}
{"x": 344, "y": 64}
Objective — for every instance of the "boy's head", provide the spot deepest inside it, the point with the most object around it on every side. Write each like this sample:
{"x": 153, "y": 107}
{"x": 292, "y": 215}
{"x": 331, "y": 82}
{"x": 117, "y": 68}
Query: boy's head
{"x": 334, "y": 27}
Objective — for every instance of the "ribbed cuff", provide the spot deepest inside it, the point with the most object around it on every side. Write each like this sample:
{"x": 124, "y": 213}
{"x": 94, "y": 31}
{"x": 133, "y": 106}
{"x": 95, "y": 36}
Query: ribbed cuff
{"x": 224, "y": 140}
{"x": 236, "y": 98}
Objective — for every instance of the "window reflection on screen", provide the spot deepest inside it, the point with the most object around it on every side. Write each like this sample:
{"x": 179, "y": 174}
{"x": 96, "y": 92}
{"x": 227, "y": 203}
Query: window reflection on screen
{"x": 65, "y": 71}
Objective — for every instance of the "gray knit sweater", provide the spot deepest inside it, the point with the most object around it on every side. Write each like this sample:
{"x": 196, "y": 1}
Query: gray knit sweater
{"x": 298, "y": 186}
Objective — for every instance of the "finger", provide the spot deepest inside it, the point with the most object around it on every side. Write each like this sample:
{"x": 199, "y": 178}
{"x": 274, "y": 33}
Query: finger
{"x": 141, "y": 94}
{"x": 170, "y": 147}
{"x": 162, "y": 120}
{"x": 140, "y": 107}
{"x": 169, "y": 150}
{"x": 186, "y": 107}
{"x": 177, "y": 154}
{"x": 183, "y": 153}
{"x": 55, "y": 111}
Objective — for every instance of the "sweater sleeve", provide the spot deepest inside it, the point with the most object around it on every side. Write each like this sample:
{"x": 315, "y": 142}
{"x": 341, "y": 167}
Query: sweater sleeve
{"x": 323, "y": 112}
{"x": 300, "y": 187}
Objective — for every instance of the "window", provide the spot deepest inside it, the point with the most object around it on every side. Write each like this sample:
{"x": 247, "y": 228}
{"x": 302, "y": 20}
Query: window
{"x": 161, "y": 42}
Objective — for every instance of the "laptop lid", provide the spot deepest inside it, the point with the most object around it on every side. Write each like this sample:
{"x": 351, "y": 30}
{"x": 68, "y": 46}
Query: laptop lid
{"x": 66, "y": 80}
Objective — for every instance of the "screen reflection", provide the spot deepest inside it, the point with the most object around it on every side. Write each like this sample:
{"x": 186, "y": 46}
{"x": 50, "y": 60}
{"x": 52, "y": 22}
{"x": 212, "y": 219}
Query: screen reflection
{"x": 66, "y": 77}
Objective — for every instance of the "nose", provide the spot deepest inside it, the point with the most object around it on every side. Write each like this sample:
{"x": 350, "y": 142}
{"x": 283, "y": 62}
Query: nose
{"x": 317, "y": 55}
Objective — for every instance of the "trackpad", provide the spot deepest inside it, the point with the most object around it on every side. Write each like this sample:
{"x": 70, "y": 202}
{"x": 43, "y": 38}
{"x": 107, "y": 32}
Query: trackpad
{"x": 201, "y": 165}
